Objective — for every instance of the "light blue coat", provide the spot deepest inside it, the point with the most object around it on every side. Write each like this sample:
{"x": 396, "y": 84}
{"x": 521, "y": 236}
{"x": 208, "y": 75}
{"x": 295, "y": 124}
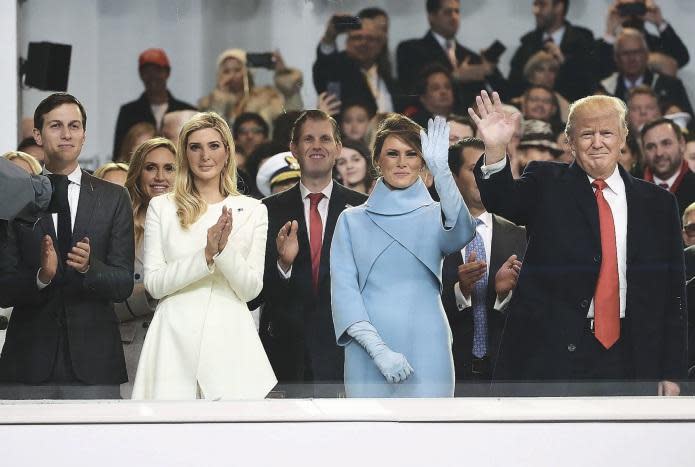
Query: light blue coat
{"x": 386, "y": 264}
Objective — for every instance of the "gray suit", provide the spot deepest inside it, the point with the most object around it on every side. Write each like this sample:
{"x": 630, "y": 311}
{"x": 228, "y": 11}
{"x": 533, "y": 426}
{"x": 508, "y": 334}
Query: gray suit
{"x": 22, "y": 195}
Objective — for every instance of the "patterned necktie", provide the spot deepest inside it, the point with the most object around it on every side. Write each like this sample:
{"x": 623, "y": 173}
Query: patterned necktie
{"x": 607, "y": 296}
{"x": 478, "y": 297}
{"x": 315, "y": 237}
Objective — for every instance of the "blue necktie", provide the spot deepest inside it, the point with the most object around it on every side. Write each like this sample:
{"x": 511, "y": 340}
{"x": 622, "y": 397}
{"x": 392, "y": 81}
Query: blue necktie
{"x": 478, "y": 297}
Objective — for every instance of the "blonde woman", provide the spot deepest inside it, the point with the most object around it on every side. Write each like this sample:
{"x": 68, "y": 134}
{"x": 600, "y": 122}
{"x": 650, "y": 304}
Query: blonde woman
{"x": 24, "y": 161}
{"x": 204, "y": 259}
{"x": 114, "y": 172}
{"x": 151, "y": 173}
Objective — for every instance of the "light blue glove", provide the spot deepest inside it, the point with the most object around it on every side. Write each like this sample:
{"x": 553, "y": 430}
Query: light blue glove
{"x": 393, "y": 365}
{"x": 435, "y": 151}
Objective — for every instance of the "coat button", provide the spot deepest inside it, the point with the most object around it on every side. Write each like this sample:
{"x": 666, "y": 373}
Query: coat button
{"x": 571, "y": 347}
{"x": 137, "y": 276}
{"x": 597, "y": 259}
{"x": 584, "y": 303}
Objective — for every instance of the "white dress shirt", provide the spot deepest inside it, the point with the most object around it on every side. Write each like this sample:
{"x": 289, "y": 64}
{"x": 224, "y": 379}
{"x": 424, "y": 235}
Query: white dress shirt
{"x": 615, "y": 195}
{"x": 75, "y": 182}
{"x": 323, "y": 212}
{"x": 556, "y": 36}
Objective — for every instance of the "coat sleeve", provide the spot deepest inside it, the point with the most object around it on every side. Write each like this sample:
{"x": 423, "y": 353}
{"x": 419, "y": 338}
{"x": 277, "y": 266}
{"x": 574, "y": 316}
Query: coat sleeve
{"x": 244, "y": 269}
{"x": 346, "y": 299}
{"x": 163, "y": 278}
{"x": 459, "y": 226}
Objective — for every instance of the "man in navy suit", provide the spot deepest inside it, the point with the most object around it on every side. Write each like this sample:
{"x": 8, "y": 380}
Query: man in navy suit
{"x": 296, "y": 324}
{"x": 601, "y": 299}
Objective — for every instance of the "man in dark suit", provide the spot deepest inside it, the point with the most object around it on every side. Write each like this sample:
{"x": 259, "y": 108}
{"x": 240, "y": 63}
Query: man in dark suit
{"x": 664, "y": 149}
{"x": 572, "y": 46}
{"x": 356, "y": 74}
{"x": 600, "y": 301}
{"x": 63, "y": 274}
{"x": 631, "y": 56}
{"x": 470, "y": 71}
{"x": 154, "y": 69}
{"x": 296, "y": 321}
{"x": 474, "y": 295}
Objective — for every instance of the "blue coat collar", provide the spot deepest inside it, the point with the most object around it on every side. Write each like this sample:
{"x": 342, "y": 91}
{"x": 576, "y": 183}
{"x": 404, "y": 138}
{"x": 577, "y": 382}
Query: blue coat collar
{"x": 387, "y": 202}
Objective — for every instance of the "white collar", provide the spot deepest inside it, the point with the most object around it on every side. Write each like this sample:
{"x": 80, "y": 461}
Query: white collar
{"x": 486, "y": 219}
{"x": 670, "y": 181}
{"x": 75, "y": 176}
{"x": 557, "y": 35}
{"x": 615, "y": 182}
{"x": 326, "y": 191}
{"x": 441, "y": 40}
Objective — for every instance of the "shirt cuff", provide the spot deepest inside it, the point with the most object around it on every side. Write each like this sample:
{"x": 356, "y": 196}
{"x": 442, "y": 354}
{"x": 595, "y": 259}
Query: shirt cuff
{"x": 283, "y": 274}
{"x": 462, "y": 302}
{"x": 501, "y": 305}
{"x": 492, "y": 169}
{"x": 40, "y": 284}
{"x": 327, "y": 49}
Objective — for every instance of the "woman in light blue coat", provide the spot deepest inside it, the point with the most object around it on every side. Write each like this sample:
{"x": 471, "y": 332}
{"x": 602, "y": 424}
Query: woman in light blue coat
{"x": 386, "y": 263}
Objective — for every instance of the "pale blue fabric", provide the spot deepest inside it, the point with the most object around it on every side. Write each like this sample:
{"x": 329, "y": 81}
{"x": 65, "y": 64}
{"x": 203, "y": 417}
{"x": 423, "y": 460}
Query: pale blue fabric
{"x": 386, "y": 261}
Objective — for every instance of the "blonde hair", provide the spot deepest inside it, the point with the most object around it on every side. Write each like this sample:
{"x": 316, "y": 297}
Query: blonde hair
{"x": 134, "y": 133}
{"x": 597, "y": 102}
{"x": 28, "y": 158}
{"x": 189, "y": 204}
{"x": 110, "y": 167}
{"x": 138, "y": 198}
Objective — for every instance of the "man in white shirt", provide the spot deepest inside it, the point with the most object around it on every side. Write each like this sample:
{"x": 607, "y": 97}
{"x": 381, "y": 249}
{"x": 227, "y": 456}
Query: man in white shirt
{"x": 296, "y": 321}
{"x": 476, "y": 291}
{"x": 599, "y": 306}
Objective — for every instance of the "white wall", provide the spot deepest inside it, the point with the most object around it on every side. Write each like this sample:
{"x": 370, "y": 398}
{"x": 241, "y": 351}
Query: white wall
{"x": 9, "y": 91}
{"x": 108, "y": 35}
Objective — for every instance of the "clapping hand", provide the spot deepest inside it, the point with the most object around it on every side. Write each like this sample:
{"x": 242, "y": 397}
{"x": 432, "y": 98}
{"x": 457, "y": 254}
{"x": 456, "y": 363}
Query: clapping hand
{"x": 49, "y": 260}
{"x": 507, "y": 276}
{"x": 218, "y": 234}
{"x": 287, "y": 244}
{"x": 435, "y": 145}
{"x": 471, "y": 272}
{"x": 495, "y": 126}
{"x": 78, "y": 256}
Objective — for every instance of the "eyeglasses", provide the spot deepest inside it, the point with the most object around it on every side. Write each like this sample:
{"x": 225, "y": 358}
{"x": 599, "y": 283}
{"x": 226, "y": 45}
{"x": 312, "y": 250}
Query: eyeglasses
{"x": 689, "y": 229}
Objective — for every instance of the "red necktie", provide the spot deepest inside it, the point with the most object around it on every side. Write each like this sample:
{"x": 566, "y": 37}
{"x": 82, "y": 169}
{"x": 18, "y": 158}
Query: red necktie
{"x": 315, "y": 237}
{"x": 607, "y": 296}
{"x": 664, "y": 186}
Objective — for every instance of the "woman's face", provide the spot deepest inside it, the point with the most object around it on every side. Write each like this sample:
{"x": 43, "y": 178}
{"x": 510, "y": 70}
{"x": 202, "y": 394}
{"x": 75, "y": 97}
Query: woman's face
{"x": 231, "y": 75}
{"x": 351, "y": 166}
{"x": 355, "y": 123}
{"x": 545, "y": 75}
{"x": 157, "y": 176}
{"x": 399, "y": 162}
{"x": 206, "y": 155}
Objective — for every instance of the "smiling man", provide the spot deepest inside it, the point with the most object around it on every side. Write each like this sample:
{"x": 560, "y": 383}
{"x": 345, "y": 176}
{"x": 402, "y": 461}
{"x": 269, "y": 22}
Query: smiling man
{"x": 296, "y": 322}
{"x": 63, "y": 274}
{"x": 600, "y": 301}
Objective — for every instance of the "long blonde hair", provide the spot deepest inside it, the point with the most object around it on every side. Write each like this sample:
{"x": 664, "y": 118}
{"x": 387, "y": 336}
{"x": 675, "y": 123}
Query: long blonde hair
{"x": 110, "y": 167}
{"x": 139, "y": 199}
{"x": 189, "y": 204}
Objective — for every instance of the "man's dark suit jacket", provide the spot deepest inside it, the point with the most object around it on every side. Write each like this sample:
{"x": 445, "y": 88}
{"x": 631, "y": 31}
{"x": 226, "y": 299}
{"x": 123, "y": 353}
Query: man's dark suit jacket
{"x": 339, "y": 67}
{"x": 547, "y": 313}
{"x": 296, "y": 326}
{"x": 577, "y": 76}
{"x": 667, "y": 89}
{"x": 507, "y": 239}
{"x": 667, "y": 42}
{"x": 105, "y": 216}
{"x": 140, "y": 111}
{"x": 685, "y": 194}
{"x": 414, "y": 55}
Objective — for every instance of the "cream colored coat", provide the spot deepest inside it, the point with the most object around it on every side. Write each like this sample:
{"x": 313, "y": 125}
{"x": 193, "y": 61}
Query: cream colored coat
{"x": 202, "y": 341}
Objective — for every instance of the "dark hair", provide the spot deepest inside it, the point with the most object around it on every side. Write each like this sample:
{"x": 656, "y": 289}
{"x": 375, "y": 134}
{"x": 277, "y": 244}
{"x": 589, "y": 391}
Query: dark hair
{"x": 26, "y": 143}
{"x": 371, "y": 13}
{"x": 315, "y": 115}
{"x": 402, "y": 128}
{"x": 456, "y": 151}
{"x": 433, "y": 6}
{"x": 56, "y": 100}
{"x": 531, "y": 87}
{"x": 463, "y": 120}
{"x": 249, "y": 117}
{"x": 282, "y": 128}
{"x": 565, "y": 3}
{"x": 363, "y": 151}
{"x": 424, "y": 76}
{"x": 662, "y": 121}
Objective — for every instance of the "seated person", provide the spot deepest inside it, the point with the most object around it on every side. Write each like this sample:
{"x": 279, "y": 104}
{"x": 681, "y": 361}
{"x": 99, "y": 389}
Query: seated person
{"x": 642, "y": 107}
{"x": 114, "y": 172}
{"x": 136, "y": 135}
{"x": 354, "y": 120}
{"x": 538, "y": 143}
{"x": 277, "y": 174}
{"x": 542, "y": 69}
{"x": 249, "y": 130}
{"x": 435, "y": 89}
{"x": 460, "y": 127}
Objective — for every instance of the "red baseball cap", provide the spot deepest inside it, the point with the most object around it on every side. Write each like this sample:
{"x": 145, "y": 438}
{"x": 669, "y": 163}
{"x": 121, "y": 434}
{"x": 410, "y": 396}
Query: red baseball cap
{"x": 155, "y": 57}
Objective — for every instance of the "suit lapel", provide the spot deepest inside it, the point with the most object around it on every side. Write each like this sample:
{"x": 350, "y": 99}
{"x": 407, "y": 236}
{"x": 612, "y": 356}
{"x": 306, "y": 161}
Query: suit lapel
{"x": 439, "y": 55}
{"x": 583, "y": 195}
{"x": 635, "y": 216}
{"x": 85, "y": 208}
{"x": 335, "y": 206}
{"x": 496, "y": 257}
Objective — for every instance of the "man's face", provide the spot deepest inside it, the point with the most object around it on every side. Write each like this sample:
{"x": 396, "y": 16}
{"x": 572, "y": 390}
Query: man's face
{"x": 62, "y": 135}
{"x": 546, "y": 13}
{"x": 631, "y": 56}
{"x": 447, "y": 19}
{"x": 663, "y": 151}
{"x": 465, "y": 180}
{"x": 642, "y": 108}
{"x": 458, "y": 131}
{"x": 316, "y": 148}
{"x": 439, "y": 95}
{"x": 596, "y": 140}
{"x": 154, "y": 77}
{"x": 538, "y": 105}
{"x": 365, "y": 44}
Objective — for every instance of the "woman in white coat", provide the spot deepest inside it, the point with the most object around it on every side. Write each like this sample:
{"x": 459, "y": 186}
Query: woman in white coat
{"x": 204, "y": 258}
